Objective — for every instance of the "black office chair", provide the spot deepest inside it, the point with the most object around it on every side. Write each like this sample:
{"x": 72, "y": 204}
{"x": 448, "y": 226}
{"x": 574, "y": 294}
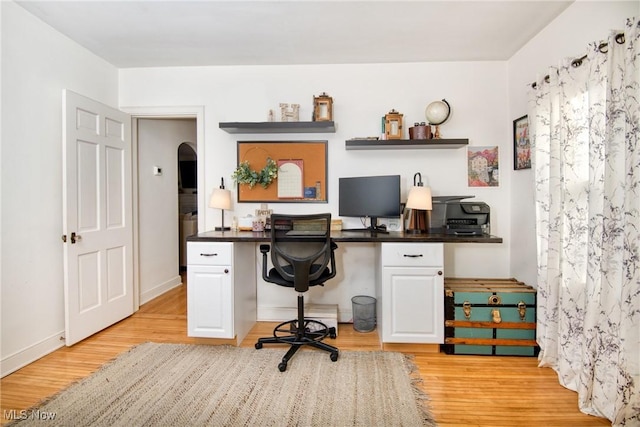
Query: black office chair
{"x": 300, "y": 259}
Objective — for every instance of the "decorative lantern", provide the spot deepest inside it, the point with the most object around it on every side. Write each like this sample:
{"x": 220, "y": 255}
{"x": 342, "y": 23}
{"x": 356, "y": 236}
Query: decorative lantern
{"x": 322, "y": 108}
{"x": 393, "y": 125}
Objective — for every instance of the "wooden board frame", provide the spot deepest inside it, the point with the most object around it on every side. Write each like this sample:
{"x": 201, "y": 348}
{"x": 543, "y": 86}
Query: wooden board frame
{"x": 312, "y": 153}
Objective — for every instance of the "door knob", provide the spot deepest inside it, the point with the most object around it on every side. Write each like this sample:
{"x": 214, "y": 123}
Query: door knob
{"x": 75, "y": 237}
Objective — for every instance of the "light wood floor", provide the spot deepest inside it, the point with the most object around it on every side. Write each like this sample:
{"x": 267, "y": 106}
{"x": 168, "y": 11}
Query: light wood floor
{"x": 463, "y": 390}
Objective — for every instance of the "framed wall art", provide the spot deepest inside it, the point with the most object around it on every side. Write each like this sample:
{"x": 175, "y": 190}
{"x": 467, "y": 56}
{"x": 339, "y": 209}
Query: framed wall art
{"x": 282, "y": 171}
{"x": 483, "y": 169}
{"x": 521, "y": 144}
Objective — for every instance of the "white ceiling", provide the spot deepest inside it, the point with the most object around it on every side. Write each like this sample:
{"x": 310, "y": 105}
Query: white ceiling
{"x": 186, "y": 33}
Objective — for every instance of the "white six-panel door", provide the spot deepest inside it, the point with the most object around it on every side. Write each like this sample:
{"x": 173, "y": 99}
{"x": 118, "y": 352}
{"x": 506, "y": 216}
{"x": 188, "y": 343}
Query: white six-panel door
{"x": 97, "y": 216}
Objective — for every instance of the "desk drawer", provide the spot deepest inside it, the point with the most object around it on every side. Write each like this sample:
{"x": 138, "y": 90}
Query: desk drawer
{"x": 412, "y": 254}
{"x": 205, "y": 253}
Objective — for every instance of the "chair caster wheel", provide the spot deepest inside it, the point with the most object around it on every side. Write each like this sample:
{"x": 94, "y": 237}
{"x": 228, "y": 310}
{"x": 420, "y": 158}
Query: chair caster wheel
{"x": 258, "y": 345}
{"x": 282, "y": 366}
{"x": 334, "y": 356}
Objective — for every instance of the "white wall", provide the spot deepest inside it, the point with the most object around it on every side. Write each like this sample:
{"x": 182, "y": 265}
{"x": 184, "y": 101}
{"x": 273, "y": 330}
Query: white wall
{"x": 158, "y": 142}
{"x": 37, "y": 64}
{"x": 362, "y": 94}
{"x": 567, "y": 36}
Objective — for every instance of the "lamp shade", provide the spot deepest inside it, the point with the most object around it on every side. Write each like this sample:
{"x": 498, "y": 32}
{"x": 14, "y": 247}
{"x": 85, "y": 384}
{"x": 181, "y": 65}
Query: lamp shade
{"x": 419, "y": 198}
{"x": 220, "y": 199}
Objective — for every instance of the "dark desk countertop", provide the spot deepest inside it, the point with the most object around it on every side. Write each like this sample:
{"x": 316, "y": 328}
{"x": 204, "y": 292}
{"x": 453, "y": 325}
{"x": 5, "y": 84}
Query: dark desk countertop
{"x": 345, "y": 236}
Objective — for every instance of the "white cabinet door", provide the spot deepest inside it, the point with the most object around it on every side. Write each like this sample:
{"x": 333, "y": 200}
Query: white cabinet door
{"x": 210, "y": 301}
{"x": 411, "y": 289}
{"x": 221, "y": 300}
{"x": 412, "y": 305}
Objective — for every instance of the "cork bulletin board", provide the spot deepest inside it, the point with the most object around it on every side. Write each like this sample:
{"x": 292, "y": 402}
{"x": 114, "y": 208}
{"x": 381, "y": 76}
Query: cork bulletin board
{"x": 302, "y": 171}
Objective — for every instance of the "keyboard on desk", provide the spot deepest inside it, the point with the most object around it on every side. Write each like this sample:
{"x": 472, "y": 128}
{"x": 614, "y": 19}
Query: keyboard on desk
{"x": 306, "y": 233}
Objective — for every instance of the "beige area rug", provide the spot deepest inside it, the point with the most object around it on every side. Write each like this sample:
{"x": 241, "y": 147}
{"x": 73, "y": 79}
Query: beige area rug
{"x": 201, "y": 385}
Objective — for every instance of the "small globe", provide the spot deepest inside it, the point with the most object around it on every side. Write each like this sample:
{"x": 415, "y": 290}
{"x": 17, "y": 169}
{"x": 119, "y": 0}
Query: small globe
{"x": 437, "y": 112}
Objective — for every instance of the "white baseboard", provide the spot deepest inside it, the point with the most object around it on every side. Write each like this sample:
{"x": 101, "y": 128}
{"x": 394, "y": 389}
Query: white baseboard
{"x": 282, "y": 314}
{"x": 160, "y": 289}
{"x": 275, "y": 314}
{"x": 34, "y": 352}
{"x": 22, "y": 358}
{"x": 345, "y": 316}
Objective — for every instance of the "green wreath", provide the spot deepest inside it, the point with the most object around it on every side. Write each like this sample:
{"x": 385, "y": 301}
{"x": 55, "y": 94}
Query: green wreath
{"x": 245, "y": 175}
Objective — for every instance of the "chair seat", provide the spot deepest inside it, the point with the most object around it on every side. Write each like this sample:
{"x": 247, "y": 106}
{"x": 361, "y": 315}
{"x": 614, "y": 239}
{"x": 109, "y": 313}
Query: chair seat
{"x": 276, "y": 278}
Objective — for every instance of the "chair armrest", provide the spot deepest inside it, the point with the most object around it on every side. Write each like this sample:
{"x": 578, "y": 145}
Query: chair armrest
{"x": 265, "y": 249}
{"x": 334, "y": 246}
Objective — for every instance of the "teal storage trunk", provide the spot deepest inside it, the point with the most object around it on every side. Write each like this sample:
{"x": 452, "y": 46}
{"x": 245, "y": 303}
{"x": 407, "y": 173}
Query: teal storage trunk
{"x": 489, "y": 317}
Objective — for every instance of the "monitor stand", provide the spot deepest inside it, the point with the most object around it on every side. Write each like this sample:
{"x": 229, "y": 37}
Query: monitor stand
{"x": 374, "y": 228}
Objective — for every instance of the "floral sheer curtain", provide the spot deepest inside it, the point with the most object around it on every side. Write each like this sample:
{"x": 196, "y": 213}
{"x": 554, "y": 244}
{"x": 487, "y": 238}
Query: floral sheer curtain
{"x": 585, "y": 125}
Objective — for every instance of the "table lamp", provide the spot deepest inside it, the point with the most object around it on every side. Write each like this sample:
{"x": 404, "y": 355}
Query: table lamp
{"x": 419, "y": 201}
{"x": 221, "y": 199}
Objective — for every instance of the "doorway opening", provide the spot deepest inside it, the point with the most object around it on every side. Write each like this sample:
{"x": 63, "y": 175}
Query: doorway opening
{"x": 159, "y": 180}
{"x": 187, "y": 198}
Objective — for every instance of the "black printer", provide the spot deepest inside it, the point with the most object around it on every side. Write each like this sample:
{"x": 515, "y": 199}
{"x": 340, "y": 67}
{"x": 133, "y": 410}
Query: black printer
{"x": 450, "y": 215}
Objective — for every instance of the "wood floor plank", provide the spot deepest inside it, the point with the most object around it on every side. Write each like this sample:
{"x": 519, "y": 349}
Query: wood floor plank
{"x": 463, "y": 390}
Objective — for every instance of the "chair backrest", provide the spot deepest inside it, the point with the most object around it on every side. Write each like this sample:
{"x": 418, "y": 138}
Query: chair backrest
{"x": 302, "y": 254}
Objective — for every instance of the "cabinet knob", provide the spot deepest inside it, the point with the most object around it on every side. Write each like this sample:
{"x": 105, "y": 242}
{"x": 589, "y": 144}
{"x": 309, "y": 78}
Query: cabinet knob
{"x": 226, "y": 271}
{"x": 439, "y": 273}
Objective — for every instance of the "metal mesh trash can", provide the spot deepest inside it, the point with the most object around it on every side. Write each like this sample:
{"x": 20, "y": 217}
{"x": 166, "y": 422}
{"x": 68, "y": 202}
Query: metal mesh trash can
{"x": 364, "y": 313}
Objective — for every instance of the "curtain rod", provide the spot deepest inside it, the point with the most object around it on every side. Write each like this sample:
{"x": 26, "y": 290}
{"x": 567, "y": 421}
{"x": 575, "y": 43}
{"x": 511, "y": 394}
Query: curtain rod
{"x": 578, "y": 61}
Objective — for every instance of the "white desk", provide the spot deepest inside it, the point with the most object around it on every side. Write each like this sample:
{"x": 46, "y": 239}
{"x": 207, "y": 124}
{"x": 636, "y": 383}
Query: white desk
{"x": 221, "y": 277}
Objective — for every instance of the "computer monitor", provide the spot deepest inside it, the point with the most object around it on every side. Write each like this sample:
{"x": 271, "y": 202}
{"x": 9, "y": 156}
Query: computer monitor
{"x": 370, "y": 196}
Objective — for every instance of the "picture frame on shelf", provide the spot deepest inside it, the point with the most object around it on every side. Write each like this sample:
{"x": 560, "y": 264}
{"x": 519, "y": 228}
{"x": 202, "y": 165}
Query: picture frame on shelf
{"x": 521, "y": 144}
